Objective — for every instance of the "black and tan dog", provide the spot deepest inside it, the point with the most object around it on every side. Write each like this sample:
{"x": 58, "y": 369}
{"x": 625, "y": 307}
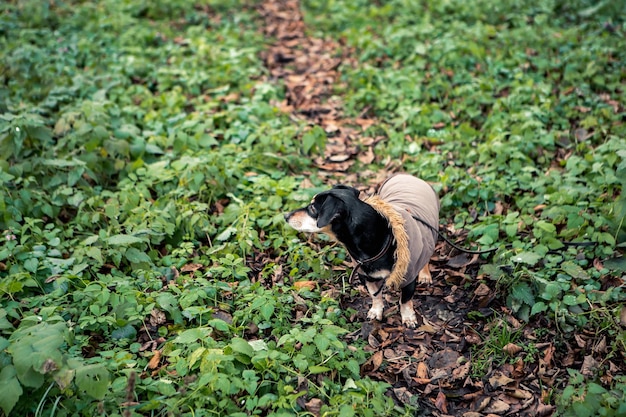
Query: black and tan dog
{"x": 382, "y": 235}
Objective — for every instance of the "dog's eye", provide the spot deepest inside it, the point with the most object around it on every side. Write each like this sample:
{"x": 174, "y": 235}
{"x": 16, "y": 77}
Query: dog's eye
{"x": 312, "y": 211}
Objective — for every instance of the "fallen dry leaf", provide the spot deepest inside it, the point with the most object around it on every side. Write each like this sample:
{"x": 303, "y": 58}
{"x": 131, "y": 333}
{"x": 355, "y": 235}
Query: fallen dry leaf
{"x": 422, "y": 370}
{"x": 589, "y": 366}
{"x": 498, "y": 379}
{"x": 482, "y": 290}
{"x": 462, "y": 371}
{"x": 314, "y": 406}
{"x": 422, "y": 381}
{"x": 600, "y": 346}
{"x": 519, "y": 393}
{"x": 426, "y": 327}
{"x": 309, "y": 285}
{"x": 373, "y": 342}
{"x": 403, "y": 395}
{"x": 545, "y": 410}
{"x": 154, "y": 361}
{"x": 377, "y": 359}
{"x": 512, "y": 349}
{"x": 498, "y": 407}
{"x": 547, "y": 357}
{"x": 441, "y": 402}
{"x": 366, "y": 157}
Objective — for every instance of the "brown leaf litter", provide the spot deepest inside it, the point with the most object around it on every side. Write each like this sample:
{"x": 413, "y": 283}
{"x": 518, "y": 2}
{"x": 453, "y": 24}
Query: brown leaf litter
{"x": 309, "y": 69}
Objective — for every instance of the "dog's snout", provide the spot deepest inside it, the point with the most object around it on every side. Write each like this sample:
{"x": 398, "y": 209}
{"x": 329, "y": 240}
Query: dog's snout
{"x": 287, "y": 216}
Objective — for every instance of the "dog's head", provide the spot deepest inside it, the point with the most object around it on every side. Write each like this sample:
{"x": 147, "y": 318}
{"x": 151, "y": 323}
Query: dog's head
{"x": 325, "y": 208}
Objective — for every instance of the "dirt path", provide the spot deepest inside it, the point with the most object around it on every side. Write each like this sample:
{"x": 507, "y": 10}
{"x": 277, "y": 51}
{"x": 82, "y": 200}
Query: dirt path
{"x": 468, "y": 356}
{"x": 308, "y": 67}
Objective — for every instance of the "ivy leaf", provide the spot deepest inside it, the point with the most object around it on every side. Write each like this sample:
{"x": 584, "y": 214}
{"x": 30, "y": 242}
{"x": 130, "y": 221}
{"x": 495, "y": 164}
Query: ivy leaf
{"x": 31, "y": 265}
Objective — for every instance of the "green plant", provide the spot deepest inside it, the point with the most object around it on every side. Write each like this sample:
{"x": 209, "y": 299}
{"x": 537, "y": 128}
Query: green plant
{"x": 490, "y": 352}
{"x": 582, "y": 397}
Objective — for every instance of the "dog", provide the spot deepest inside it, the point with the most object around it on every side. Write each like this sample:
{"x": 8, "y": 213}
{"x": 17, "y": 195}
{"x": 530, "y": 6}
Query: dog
{"x": 386, "y": 235}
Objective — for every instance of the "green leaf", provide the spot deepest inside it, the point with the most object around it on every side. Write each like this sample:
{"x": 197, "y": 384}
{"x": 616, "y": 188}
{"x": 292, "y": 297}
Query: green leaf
{"x": 93, "y": 380}
{"x": 616, "y": 264}
{"x": 573, "y": 270}
{"x": 267, "y": 310}
{"x": 94, "y": 252}
{"x": 218, "y": 324}
{"x": 169, "y": 303}
{"x": 321, "y": 342}
{"x": 23, "y": 359}
{"x": 551, "y": 292}
{"x": 126, "y": 332}
{"x": 530, "y": 258}
{"x": 136, "y": 256}
{"x": 241, "y": 346}
{"x": 195, "y": 355}
{"x": 314, "y": 139}
{"x": 226, "y": 234}
{"x": 10, "y": 388}
{"x": 570, "y": 300}
{"x": 31, "y": 265}
{"x": 316, "y": 369}
{"x": 90, "y": 240}
{"x": 545, "y": 226}
{"x": 192, "y": 335}
{"x": 522, "y": 291}
{"x": 63, "y": 163}
{"x": 124, "y": 240}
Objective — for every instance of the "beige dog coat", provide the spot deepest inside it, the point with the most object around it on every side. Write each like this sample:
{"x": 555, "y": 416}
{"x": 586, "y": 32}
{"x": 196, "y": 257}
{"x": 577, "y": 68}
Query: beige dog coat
{"x": 399, "y": 198}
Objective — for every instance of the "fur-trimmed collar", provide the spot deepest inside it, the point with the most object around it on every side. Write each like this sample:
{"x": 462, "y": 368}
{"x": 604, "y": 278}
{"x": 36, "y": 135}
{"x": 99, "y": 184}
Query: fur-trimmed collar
{"x": 402, "y": 254}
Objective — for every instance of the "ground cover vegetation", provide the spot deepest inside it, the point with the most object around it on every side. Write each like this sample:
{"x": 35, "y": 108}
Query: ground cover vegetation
{"x": 148, "y": 150}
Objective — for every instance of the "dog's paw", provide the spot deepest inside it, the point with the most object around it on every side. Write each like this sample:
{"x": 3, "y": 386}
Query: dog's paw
{"x": 375, "y": 313}
{"x": 411, "y": 323}
{"x": 424, "y": 276}
{"x": 409, "y": 319}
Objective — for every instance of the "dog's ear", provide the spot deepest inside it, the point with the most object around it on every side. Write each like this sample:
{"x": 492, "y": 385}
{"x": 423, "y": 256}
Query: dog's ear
{"x": 328, "y": 209}
{"x": 347, "y": 188}
{"x": 331, "y": 204}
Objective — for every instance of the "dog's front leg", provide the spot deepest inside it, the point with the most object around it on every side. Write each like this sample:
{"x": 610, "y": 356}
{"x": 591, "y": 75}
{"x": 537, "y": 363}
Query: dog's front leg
{"x": 373, "y": 287}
